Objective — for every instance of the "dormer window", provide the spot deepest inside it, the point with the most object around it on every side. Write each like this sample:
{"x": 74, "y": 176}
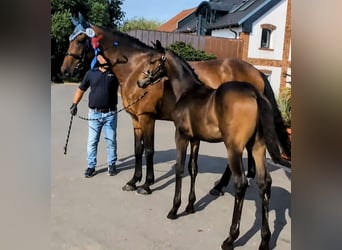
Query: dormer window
{"x": 205, "y": 17}
{"x": 266, "y": 36}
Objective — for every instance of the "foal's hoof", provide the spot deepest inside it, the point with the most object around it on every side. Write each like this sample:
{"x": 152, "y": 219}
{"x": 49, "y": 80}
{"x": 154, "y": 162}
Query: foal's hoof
{"x": 264, "y": 246}
{"x": 227, "y": 246}
{"x": 189, "y": 209}
{"x": 144, "y": 190}
{"x": 249, "y": 181}
{"x": 129, "y": 187}
{"x": 216, "y": 192}
{"x": 172, "y": 216}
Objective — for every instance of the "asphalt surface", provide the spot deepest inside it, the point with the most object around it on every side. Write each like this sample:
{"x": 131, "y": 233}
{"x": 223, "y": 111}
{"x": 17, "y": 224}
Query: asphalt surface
{"x": 95, "y": 214}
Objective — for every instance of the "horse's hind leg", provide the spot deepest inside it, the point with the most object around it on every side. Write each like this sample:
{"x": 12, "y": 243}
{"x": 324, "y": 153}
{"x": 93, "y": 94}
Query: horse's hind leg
{"x": 217, "y": 190}
{"x": 181, "y": 145}
{"x": 250, "y": 162}
{"x": 223, "y": 182}
{"x": 240, "y": 183}
{"x": 138, "y": 151}
{"x": 264, "y": 182}
{"x": 193, "y": 170}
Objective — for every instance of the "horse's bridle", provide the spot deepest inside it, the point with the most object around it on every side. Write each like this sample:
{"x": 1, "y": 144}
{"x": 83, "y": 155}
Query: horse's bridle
{"x": 81, "y": 57}
{"x": 153, "y": 77}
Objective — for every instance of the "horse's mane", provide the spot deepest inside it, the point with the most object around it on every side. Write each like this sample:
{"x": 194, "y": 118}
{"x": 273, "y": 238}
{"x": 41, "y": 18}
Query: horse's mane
{"x": 185, "y": 65}
{"x": 135, "y": 42}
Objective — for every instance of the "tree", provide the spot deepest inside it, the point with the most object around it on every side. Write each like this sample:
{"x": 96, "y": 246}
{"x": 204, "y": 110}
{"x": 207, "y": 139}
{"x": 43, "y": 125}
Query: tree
{"x": 188, "y": 53}
{"x": 101, "y": 12}
{"x": 139, "y": 24}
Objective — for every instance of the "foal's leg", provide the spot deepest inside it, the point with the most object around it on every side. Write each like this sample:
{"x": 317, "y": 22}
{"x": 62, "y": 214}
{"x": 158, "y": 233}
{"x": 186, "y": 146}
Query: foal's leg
{"x": 193, "y": 170}
{"x": 240, "y": 182}
{"x": 147, "y": 124}
{"x": 181, "y": 145}
{"x": 138, "y": 151}
{"x": 250, "y": 162}
{"x": 264, "y": 182}
{"x": 223, "y": 182}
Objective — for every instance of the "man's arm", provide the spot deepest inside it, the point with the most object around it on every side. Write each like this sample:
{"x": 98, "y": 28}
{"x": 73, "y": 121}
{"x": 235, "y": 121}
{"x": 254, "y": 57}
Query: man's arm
{"x": 78, "y": 96}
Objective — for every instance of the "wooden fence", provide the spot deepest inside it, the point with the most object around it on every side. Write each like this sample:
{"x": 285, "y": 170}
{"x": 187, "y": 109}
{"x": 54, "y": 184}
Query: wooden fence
{"x": 220, "y": 47}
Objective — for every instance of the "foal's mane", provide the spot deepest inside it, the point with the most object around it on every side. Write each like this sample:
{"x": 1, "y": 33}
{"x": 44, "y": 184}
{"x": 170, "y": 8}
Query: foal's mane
{"x": 184, "y": 64}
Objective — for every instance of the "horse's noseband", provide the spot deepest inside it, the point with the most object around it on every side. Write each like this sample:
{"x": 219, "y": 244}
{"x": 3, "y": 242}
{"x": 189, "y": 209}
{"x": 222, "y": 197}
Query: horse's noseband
{"x": 153, "y": 77}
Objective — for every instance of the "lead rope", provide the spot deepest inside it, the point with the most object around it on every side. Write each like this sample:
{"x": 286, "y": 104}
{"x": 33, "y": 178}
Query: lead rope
{"x": 117, "y": 111}
{"x": 68, "y": 135}
{"x": 87, "y": 119}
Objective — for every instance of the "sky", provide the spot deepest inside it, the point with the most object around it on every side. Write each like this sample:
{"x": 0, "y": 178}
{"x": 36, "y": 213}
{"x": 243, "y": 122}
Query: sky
{"x": 157, "y": 10}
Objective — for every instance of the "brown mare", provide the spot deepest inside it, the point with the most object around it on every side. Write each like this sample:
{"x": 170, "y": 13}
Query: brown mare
{"x": 128, "y": 57}
{"x": 235, "y": 113}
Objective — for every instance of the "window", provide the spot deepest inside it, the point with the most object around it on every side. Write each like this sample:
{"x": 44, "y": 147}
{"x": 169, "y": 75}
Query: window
{"x": 266, "y": 36}
{"x": 205, "y": 17}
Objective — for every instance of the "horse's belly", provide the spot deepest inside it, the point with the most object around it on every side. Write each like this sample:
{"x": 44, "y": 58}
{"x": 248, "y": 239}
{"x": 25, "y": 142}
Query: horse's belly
{"x": 208, "y": 133}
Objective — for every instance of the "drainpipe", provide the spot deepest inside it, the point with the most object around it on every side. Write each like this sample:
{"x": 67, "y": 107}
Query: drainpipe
{"x": 235, "y": 33}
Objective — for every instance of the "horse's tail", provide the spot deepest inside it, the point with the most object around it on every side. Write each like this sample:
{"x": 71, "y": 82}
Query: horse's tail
{"x": 268, "y": 131}
{"x": 280, "y": 128}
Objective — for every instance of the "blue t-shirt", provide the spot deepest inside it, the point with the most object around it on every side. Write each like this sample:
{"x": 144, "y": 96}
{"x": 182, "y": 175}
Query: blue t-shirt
{"x": 103, "y": 89}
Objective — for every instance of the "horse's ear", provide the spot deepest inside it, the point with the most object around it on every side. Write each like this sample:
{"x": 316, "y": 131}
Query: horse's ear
{"x": 74, "y": 21}
{"x": 82, "y": 20}
{"x": 159, "y": 47}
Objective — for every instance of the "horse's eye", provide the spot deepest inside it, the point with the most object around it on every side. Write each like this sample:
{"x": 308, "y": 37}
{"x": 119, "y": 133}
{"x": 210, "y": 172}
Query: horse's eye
{"x": 80, "y": 42}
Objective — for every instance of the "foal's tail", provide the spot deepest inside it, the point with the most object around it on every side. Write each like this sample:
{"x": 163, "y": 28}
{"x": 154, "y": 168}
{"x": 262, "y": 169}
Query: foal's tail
{"x": 283, "y": 136}
{"x": 269, "y": 132}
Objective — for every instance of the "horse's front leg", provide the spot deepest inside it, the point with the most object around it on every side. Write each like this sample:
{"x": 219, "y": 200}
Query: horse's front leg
{"x": 193, "y": 170}
{"x": 138, "y": 151}
{"x": 147, "y": 123}
{"x": 181, "y": 146}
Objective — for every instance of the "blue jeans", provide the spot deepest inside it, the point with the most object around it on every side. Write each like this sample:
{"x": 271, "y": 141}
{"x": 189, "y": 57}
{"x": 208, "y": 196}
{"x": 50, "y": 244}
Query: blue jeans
{"x": 107, "y": 121}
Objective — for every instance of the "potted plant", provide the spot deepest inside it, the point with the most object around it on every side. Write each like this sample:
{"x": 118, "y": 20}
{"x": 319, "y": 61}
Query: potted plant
{"x": 284, "y": 104}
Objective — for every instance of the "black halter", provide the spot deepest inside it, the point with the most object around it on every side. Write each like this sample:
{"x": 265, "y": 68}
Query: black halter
{"x": 153, "y": 77}
{"x": 80, "y": 65}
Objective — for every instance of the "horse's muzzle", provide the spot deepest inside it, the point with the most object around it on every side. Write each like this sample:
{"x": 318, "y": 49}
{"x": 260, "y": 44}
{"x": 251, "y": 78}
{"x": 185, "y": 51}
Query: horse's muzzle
{"x": 143, "y": 83}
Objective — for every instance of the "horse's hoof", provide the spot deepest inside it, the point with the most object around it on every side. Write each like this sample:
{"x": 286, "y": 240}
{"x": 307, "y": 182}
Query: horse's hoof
{"x": 264, "y": 246}
{"x": 249, "y": 181}
{"x": 129, "y": 187}
{"x": 216, "y": 192}
{"x": 172, "y": 216}
{"x": 226, "y": 246}
{"x": 144, "y": 190}
{"x": 189, "y": 210}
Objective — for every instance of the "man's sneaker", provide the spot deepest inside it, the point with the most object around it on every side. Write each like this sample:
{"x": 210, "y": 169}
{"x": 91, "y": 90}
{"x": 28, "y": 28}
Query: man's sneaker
{"x": 112, "y": 170}
{"x": 90, "y": 172}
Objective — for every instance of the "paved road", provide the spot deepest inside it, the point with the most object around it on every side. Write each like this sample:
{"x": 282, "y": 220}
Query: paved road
{"x": 95, "y": 214}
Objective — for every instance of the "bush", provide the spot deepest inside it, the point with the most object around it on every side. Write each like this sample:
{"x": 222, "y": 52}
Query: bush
{"x": 284, "y": 104}
{"x": 188, "y": 53}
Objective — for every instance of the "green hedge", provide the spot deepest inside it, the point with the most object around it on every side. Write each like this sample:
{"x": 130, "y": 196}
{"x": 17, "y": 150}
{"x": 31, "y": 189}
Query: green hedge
{"x": 188, "y": 53}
